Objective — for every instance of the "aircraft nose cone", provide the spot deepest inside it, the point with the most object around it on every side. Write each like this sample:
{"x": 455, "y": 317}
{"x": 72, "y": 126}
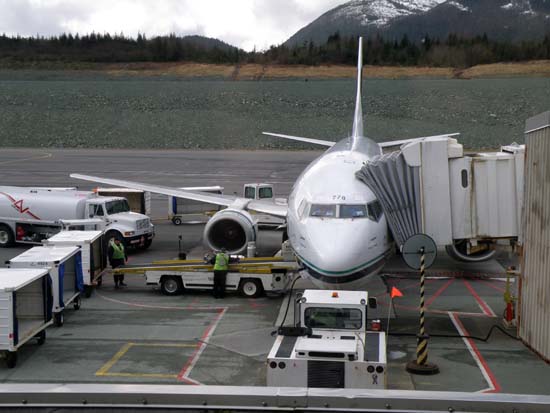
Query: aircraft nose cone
{"x": 340, "y": 251}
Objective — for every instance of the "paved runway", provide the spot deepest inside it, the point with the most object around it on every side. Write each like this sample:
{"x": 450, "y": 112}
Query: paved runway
{"x": 137, "y": 335}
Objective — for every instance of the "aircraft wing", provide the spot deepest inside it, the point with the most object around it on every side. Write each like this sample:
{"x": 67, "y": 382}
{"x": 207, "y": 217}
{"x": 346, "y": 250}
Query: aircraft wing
{"x": 402, "y": 141}
{"x": 299, "y": 139}
{"x": 265, "y": 207}
{"x": 329, "y": 144}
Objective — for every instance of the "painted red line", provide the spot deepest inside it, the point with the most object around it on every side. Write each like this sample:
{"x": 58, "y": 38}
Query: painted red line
{"x": 493, "y": 286}
{"x": 485, "y": 370}
{"x": 482, "y": 304}
{"x": 439, "y": 292}
{"x": 254, "y": 304}
{"x": 198, "y": 349}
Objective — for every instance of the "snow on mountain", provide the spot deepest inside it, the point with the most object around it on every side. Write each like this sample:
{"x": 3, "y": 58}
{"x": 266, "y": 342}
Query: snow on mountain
{"x": 511, "y": 20}
{"x": 381, "y": 12}
{"x": 459, "y": 6}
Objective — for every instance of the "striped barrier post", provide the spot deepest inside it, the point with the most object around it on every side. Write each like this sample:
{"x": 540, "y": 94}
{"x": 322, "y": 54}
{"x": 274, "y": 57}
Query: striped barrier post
{"x": 421, "y": 365}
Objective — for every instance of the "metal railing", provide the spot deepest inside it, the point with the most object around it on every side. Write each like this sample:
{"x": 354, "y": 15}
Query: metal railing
{"x": 117, "y": 397}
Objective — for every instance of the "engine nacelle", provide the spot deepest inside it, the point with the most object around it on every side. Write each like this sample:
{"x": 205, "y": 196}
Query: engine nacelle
{"x": 231, "y": 229}
{"x": 462, "y": 250}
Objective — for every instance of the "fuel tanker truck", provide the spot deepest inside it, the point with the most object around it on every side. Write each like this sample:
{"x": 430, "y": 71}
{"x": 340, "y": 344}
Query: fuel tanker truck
{"x": 30, "y": 215}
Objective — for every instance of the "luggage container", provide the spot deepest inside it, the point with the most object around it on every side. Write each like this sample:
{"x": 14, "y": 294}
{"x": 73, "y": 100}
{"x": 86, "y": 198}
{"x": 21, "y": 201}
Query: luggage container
{"x": 186, "y": 211}
{"x": 139, "y": 201}
{"x": 25, "y": 309}
{"x": 94, "y": 256}
{"x": 65, "y": 268}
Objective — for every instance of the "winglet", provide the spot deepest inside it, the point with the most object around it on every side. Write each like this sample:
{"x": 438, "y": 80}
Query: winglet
{"x": 358, "y": 117}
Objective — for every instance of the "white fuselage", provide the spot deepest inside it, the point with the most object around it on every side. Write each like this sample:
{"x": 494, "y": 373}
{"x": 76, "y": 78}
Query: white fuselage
{"x": 338, "y": 243}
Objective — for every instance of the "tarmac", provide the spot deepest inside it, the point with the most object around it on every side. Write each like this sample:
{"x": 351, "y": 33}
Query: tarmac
{"x": 138, "y": 335}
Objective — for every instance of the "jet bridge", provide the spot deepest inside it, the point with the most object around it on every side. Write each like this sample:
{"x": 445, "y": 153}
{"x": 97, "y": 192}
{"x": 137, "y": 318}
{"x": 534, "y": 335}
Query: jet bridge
{"x": 464, "y": 202}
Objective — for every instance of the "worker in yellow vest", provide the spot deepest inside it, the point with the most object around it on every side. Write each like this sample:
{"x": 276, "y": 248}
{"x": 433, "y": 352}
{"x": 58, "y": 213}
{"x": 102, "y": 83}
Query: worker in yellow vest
{"x": 221, "y": 266}
{"x": 117, "y": 257}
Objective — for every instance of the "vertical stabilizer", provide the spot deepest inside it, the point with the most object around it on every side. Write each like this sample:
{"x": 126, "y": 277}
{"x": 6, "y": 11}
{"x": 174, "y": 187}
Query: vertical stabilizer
{"x": 358, "y": 117}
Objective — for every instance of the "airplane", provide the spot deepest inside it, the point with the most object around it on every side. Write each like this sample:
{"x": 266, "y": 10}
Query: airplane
{"x": 335, "y": 224}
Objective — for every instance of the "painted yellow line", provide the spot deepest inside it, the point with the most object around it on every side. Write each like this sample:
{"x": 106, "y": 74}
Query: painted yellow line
{"x": 32, "y": 158}
{"x": 104, "y": 370}
{"x": 107, "y": 366}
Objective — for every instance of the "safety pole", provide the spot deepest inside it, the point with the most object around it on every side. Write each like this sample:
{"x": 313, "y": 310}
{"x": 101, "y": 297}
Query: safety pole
{"x": 422, "y": 347}
{"x": 421, "y": 365}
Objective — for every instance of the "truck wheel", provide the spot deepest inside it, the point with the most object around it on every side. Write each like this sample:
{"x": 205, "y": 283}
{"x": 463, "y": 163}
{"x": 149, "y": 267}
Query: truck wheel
{"x": 41, "y": 337}
{"x": 77, "y": 302}
{"x": 11, "y": 359}
{"x": 251, "y": 288}
{"x": 58, "y": 319}
{"x": 116, "y": 235}
{"x": 176, "y": 221}
{"x": 6, "y": 236}
{"x": 171, "y": 285}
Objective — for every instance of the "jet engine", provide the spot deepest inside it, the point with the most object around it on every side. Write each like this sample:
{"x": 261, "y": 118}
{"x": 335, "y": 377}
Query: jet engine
{"x": 231, "y": 229}
{"x": 464, "y": 250}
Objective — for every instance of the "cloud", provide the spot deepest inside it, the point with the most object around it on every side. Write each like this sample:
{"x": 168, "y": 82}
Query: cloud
{"x": 244, "y": 23}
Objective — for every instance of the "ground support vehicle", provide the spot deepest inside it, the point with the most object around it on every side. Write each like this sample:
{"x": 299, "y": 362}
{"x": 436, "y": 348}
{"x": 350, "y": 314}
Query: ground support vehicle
{"x": 329, "y": 346}
{"x": 139, "y": 201}
{"x": 65, "y": 268}
{"x": 30, "y": 215}
{"x": 185, "y": 211}
{"x": 25, "y": 309}
{"x": 251, "y": 277}
{"x": 94, "y": 254}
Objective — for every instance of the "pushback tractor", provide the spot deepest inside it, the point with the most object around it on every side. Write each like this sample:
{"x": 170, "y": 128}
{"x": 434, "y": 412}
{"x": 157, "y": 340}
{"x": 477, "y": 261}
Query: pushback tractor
{"x": 329, "y": 345}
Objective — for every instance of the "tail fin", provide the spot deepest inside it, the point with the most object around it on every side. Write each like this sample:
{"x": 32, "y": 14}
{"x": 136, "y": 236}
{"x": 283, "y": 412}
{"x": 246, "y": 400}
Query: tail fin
{"x": 358, "y": 117}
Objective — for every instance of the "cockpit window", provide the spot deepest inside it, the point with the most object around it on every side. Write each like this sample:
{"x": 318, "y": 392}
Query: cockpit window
{"x": 374, "y": 210}
{"x": 323, "y": 211}
{"x": 353, "y": 211}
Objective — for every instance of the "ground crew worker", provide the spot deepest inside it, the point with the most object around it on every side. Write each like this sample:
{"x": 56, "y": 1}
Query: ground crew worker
{"x": 221, "y": 263}
{"x": 117, "y": 257}
{"x": 221, "y": 266}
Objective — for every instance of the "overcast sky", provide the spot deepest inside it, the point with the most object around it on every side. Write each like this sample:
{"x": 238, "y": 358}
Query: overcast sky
{"x": 243, "y": 23}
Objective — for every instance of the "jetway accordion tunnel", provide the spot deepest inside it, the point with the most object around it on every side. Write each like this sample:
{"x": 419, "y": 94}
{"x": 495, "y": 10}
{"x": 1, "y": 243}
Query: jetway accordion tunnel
{"x": 465, "y": 203}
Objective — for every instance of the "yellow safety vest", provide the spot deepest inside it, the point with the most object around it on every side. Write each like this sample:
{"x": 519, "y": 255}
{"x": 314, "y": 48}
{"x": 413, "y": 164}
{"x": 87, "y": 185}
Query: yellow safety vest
{"x": 118, "y": 251}
{"x": 222, "y": 262}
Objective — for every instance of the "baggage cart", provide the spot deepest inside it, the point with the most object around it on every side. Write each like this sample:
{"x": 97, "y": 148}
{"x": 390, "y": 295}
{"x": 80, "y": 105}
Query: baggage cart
{"x": 94, "y": 254}
{"x": 65, "y": 268}
{"x": 25, "y": 309}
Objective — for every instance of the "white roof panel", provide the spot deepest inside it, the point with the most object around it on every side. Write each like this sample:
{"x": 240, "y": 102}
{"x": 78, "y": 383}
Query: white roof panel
{"x": 342, "y": 297}
{"x": 14, "y": 278}
{"x": 74, "y": 236}
{"x": 49, "y": 254}
{"x": 115, "y": 190}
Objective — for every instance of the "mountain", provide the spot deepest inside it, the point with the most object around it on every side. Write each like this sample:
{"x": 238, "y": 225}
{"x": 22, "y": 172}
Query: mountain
{"x": 510, "y": 20}
{"x": 208, "y": 43}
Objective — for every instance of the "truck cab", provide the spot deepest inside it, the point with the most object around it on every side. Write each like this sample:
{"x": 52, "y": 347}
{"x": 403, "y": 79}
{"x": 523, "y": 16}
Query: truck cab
{"x": 329, "y": 344}
{"x": 263, "y": 191}
{"x": 132, "y": 228}
{"x": 258, "y": 191}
